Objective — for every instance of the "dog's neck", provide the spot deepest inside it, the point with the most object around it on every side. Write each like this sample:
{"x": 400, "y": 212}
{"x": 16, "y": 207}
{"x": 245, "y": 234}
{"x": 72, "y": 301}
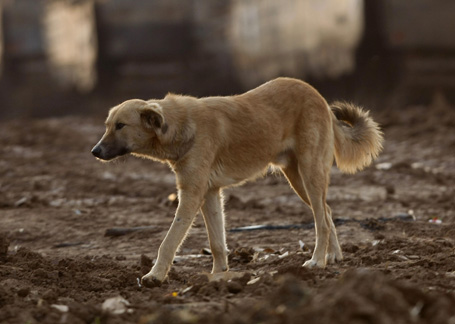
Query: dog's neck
{"x": 170, "y": 147}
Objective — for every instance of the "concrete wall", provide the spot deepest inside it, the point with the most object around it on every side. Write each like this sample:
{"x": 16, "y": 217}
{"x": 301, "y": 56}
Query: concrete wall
{"x": 294, "y": 37}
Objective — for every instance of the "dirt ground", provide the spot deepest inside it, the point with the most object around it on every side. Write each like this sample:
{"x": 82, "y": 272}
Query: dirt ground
{"x": 63, "y": 258}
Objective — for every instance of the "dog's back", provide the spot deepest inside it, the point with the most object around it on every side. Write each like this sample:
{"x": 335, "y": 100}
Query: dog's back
{"x": 263, "y": 126}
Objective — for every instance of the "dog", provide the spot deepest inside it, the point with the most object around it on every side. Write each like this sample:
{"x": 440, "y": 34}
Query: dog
{"x": 217, "y": 142}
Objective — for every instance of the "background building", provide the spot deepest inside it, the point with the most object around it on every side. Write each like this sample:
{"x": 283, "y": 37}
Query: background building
{"x": 64, "y": 56}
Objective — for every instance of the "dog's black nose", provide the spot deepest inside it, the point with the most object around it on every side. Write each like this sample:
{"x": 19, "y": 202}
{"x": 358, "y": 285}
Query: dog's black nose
{"x": 96, "y": 151}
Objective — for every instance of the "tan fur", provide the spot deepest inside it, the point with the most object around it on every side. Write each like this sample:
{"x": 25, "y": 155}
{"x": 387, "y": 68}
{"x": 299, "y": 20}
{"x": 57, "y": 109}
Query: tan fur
{"x": 358, "y": 139}
{"x": 215, "y": 142}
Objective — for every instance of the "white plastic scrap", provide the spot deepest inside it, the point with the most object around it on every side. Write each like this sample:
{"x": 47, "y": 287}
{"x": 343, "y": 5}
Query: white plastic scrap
{"x": 116, "y": 305}
{"x": 283, "y": 255}
{"x": 435, "y": 220}
{"x": 384, "y": 166}
{"x": 62, "y": 308}
{"x": 415, "y": 311}
{"x": 187, "y": 289}
{"x": 253, "y": 281}
{"x": 375, "y": 242}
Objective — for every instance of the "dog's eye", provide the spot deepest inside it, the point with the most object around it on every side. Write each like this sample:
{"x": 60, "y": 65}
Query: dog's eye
{"x": 119, "y": 126}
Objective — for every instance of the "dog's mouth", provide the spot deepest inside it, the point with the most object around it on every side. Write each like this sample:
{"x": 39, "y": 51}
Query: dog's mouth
{"x": 106, "y": 153}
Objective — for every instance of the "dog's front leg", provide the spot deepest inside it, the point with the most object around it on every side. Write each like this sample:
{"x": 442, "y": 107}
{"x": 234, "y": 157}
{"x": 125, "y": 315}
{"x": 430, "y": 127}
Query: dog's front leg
{"x": 189, "y": 203}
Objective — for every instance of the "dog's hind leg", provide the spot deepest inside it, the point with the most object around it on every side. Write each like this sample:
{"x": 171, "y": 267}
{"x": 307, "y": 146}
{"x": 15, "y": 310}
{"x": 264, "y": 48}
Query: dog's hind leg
{"x": 322, "y": 221}
{"x": 314, "y": 182}
{"x": 212, "y": 211}
{"x": 314, "y": 175}
{"x": 334, "y": 253}
{"x": 291, "y": 171}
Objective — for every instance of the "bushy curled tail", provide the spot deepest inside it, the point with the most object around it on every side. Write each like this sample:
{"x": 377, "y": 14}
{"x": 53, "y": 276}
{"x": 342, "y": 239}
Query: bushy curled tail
{"x": 358, "y": 139}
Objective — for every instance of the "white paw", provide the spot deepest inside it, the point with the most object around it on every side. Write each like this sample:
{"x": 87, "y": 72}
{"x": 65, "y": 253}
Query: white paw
{"x": 314, "y": 264}
{"x": 153, "y": 279}
{"x": 150, "y": 281}
{"x": 330, "y": 258}
{"x": 334, "y": 257}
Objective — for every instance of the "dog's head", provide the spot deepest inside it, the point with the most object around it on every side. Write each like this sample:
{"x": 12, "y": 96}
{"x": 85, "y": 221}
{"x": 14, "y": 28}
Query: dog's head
{"x": 130, "y": 128}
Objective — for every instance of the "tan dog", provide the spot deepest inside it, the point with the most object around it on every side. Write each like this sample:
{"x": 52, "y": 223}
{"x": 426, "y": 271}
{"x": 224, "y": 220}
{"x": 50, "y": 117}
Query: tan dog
{"x": 216, "y": 142}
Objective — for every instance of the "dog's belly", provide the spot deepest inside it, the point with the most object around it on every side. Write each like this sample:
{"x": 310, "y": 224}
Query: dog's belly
{"x": 235, "y": 169}
{"x": 282, "y": 159}
{"x": 223, "y": 177}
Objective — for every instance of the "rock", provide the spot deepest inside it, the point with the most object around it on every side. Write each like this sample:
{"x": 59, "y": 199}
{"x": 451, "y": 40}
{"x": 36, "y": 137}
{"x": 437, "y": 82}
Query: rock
{"x": 61, "y": 308}
{"x": 115, "y": 305}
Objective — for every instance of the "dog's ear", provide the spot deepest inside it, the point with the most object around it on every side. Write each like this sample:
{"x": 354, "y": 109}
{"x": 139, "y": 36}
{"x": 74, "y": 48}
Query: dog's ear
{"x": 152, "y": 117}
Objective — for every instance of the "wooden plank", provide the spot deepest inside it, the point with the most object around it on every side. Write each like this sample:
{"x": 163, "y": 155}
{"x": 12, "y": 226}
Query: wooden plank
{"x": 294, "y": 38}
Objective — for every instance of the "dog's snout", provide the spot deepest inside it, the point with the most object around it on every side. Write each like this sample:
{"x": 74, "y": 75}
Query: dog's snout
{"x": 96, "y": 151}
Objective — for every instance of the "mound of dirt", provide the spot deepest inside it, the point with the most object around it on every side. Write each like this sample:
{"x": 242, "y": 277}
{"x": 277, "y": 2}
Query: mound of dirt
{"x": 359, "y": 296}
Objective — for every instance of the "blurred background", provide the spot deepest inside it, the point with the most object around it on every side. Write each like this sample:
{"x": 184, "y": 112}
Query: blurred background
{"x": 61, "y": 57}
